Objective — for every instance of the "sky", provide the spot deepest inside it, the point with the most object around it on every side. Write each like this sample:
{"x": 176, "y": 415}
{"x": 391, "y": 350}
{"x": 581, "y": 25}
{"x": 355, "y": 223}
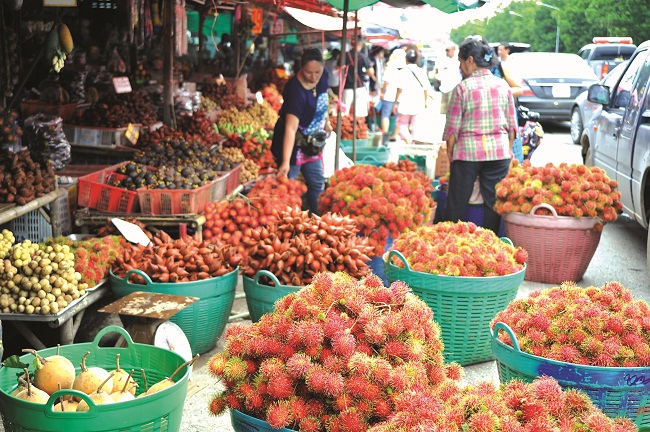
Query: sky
{"x": 427, "y": 24}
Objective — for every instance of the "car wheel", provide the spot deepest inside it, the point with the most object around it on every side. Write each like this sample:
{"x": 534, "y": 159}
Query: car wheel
{"x": 576, "y": 126}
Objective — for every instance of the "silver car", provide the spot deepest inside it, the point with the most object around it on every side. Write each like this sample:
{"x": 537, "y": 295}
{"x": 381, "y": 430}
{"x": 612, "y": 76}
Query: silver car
{"x": 551, "y": 81}
{"x": 583, "y": 110}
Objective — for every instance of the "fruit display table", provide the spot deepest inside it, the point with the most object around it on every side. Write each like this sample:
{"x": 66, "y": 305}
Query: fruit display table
{"x": 67, "y": 320}
{"x": 189, "y": 223}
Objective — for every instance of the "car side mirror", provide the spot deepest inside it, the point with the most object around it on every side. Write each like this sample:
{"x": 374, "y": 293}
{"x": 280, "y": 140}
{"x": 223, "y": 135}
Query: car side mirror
{"x": 598, "y": 94}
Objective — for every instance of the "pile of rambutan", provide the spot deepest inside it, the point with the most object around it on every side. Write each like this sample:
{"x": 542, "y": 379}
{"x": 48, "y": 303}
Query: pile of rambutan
{"x": 94, "y": 256}
{"x": 383, "y": 201}
{"x": 593, "y": 326}
{"x": 349, "y": 355}
{"x": 572, "y": 190}
{"x": 458, "y": 249}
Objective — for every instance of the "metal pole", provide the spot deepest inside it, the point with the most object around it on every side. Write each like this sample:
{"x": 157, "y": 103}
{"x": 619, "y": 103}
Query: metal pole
{"x": 344, "y": 41}
{"x": 169, "y": 19}
{"x": 354, "y": 87}
{"x": 557, "y": 39}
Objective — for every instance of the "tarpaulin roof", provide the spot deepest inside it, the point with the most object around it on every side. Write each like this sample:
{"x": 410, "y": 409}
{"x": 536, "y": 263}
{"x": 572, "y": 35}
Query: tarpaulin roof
{"x": 448, "y": 6}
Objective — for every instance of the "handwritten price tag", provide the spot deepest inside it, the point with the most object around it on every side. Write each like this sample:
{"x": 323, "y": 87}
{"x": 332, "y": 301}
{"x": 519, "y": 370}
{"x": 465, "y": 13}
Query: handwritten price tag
{"x": 132, "y": 134}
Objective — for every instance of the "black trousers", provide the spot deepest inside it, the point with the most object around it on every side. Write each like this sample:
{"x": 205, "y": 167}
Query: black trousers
{"x": 462, "y": 175}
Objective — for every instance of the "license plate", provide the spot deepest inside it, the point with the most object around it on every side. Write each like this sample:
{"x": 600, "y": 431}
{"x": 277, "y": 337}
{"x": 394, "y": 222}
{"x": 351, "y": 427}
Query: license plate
{"x": 561, "y": 91}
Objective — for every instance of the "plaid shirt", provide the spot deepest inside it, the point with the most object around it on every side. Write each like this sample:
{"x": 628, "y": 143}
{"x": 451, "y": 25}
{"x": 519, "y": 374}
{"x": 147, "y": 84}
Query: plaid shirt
{"x": 481, "y": 112}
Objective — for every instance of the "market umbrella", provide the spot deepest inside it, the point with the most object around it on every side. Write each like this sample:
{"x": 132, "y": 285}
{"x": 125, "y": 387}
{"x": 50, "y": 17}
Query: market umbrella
{"x": 448, "y": 6}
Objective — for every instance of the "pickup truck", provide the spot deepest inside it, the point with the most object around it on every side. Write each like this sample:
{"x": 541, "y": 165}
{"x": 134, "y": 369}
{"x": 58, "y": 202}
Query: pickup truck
{"x": 603, "y": 57}
{"x": 620, "y": 142}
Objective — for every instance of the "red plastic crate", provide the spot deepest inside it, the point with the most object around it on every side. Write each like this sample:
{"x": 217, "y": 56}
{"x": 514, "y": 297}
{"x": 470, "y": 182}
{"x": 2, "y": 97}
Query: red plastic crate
{"x": 95, "y": 192}
{"x": 182, "y": 201}
{"x": 233, "y": 178}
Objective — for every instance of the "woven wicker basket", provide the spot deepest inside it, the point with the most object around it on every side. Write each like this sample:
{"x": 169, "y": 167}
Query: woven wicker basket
{"x": 559, "y": 247}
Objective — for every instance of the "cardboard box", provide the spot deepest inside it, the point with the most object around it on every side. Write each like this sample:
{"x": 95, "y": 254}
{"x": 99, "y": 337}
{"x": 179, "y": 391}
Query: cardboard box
{"x": 442, "y": 162}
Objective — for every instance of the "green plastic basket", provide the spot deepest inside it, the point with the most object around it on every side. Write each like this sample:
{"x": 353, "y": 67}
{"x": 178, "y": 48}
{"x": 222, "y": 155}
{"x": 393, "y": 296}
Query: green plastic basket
{"x": 462, "y": 306}
{"x": 159, "y": 412}
{"x": 618, "y": 392}
{"x": 261, "y": 298}
{"x": 370, "y": 155}
{"x": 204, "y": 321}
{"x": 244, "y": 423}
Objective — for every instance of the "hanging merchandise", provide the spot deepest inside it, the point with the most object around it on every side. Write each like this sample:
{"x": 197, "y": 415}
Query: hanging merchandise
{"x": 181, "y": 28}
{"x": 46, "y": 140}
{"x": 148, "y": 22}
{"x": 116, "y": 64}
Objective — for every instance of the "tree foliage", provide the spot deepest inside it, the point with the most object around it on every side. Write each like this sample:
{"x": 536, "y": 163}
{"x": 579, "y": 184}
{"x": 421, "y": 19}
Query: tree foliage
{"x": 579, "y": 21}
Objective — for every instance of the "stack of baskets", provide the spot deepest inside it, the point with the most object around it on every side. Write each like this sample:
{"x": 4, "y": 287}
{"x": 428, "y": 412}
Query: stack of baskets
{"x": 204, "y": 321}
{"x": 462, "y": 306}
{"x": 161, "y": 411}
{"x": 261, "y": 298}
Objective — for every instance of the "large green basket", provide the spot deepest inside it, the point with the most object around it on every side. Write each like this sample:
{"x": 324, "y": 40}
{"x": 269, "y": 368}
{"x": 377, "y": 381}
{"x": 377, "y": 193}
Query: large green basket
{"x": 203, "y": 321}
{"x": 618, "y": 392}
{"x": 261, "y": 298}
{"x": 159, "y": 412}
{"x": 244, "y": 423}
{"x": 462, "y": 306}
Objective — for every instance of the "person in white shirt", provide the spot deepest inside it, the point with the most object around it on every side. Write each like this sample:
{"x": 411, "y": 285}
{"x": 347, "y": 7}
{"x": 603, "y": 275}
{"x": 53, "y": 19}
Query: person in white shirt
{"x": 411, "y": 97}
{"x": 504, "y": 51}
{"x": 449, "y": 75}
{"x": 396, "y": 62}
{"x": 332, "y": 66}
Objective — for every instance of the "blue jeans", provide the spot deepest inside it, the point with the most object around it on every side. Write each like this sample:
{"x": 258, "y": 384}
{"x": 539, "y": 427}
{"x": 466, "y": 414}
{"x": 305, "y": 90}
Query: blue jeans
{"x": 314, "y": 178}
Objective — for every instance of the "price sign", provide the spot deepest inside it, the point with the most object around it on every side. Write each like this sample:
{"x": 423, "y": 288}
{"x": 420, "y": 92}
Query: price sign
{"x": 122, "y": 85}
{"x": 131, "y": 133}
{"x": 258, "y": 19}
{"x": 277, "y": 27}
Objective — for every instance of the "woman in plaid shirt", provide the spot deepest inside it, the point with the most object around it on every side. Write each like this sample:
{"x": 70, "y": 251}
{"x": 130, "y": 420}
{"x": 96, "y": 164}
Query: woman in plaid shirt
{"x": 480, "y": 129}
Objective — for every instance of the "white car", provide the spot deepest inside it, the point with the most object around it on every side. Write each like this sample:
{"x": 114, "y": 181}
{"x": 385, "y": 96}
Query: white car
{"x": 583, "y": 110}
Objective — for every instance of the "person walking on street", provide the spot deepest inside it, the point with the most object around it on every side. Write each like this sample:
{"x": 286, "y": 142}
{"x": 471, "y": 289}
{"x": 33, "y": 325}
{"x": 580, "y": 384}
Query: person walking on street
{"x": 396, "y": 62}
{"x": 479, "y": 131}
{"x": 412, "y": 94}
{"x": 332, "y": 66}
{"x": 449, "y": 75}
{"x": 365, "y": 72}
{"x": 303, "y": 114}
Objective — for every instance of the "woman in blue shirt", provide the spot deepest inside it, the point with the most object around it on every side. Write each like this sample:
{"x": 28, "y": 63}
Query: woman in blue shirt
{"x": 305, "y": 109}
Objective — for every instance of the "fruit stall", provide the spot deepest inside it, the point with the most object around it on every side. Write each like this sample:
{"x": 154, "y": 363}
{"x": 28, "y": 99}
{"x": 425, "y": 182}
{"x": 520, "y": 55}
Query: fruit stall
{"x": 359, "y": 318}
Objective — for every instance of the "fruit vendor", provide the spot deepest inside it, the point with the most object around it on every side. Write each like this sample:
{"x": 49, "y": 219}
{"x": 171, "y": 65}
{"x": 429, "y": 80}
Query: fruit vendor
{"x": 480, "y": 129}
{"x": 303, "y": 116}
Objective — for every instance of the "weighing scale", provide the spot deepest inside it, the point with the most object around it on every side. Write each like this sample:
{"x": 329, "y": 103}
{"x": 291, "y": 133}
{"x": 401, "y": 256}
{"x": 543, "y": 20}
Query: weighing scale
{"x": 152, "y": 325}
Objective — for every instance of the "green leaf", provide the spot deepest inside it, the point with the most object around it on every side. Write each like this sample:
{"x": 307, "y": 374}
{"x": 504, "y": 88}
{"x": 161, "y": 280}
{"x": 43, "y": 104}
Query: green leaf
{"x": 14, "y": 362}
{"x": 37, "y": 364}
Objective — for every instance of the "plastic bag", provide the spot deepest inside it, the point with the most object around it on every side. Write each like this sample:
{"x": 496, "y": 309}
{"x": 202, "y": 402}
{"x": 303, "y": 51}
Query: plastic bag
{"x": 45, "y": 138}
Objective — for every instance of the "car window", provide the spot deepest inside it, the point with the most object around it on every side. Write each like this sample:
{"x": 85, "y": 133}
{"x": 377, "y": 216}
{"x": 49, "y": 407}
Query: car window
{"x": 584, "y": 53}
{"x": 637, "y": 95}
{"x": 618, "y": 53}
{"x": 614, "y": 75}
{"x": 623, "y": 94}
